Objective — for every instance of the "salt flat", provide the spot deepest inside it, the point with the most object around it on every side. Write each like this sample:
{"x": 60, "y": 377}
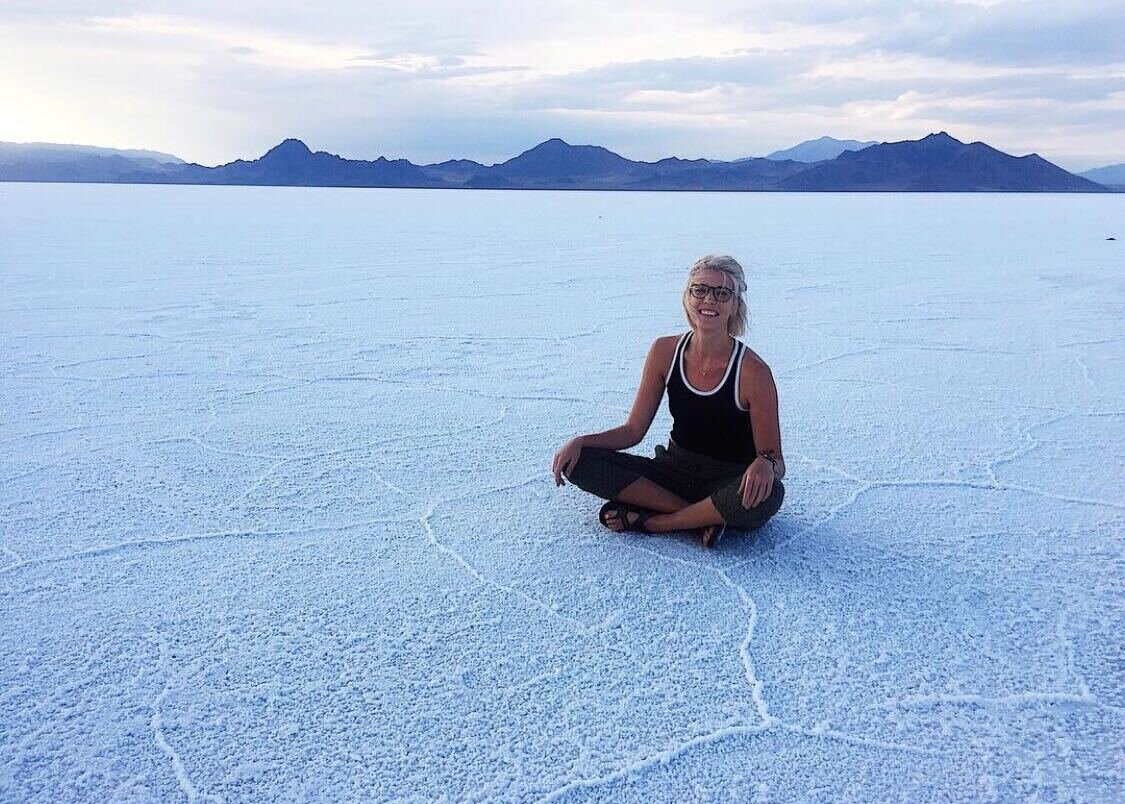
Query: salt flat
{"x": 278, "y": 524}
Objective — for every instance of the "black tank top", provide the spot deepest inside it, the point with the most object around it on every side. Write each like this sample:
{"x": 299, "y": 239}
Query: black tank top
{"x": 711, "y": 423}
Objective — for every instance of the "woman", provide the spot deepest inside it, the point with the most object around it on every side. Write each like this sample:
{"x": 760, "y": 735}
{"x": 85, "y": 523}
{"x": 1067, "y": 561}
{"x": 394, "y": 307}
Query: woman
{"x": 723, "y": 463}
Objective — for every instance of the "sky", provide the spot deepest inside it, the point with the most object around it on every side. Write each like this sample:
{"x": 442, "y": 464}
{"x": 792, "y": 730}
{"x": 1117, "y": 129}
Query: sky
{"x": 212, "y": 81}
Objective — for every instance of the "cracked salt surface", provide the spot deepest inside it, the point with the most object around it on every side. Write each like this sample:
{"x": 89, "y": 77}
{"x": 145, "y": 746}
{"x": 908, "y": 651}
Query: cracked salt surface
{"x": 276, "y": 522}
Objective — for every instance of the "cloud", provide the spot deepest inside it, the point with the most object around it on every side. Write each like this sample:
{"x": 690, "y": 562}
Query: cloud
{"x": 1015, "y": 33}
{"x": 438, "y": 79}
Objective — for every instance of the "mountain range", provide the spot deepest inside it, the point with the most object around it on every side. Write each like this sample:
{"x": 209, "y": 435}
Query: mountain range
{"x": 819, "y": 149}
{"x": 1112, "y": 176}
{"x": 936, "y": 163}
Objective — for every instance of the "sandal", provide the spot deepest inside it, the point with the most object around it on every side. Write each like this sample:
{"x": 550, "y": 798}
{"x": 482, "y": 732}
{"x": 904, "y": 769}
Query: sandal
{"x": 712, "y": 535}
{"x": 620, "y": 512}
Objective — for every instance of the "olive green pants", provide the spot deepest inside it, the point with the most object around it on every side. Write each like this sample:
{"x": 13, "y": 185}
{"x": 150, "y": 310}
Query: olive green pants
{"x": 694, "y": 477}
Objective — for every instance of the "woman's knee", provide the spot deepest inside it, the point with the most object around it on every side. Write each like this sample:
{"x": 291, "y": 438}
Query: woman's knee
{"x": 740, "y": 517}
{"x": 597, "y": 472}
{"x": 588, "y": 459}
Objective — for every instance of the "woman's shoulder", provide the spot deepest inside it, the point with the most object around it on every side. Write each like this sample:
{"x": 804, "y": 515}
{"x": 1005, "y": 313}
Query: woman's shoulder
{"x": 661, "y": 354}
{"x": 666, "y": 341}
{"x": 665, "y": 346}
{"x": 753, "y": 366}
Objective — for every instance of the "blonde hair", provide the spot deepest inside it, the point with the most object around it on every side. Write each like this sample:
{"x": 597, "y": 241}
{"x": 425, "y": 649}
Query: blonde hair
{"x": 737, "y": 323}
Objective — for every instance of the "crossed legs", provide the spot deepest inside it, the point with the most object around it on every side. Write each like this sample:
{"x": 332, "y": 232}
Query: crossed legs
{"x": 660, "y": 486}
{"x": 673, "y": 511}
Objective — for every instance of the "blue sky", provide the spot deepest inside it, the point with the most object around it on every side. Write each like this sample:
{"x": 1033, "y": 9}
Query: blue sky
{"x": 214, "y": 81}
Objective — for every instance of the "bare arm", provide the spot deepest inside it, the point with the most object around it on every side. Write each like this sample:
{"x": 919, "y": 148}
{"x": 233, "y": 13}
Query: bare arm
{"x": 645, "y": 404}
{"x": 759, "y": 394}
{"x": 635, "y": 428}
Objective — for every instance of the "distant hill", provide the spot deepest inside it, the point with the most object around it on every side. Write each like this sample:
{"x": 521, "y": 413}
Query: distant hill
{"x": 935, "y": 163}
{"x": 745, "y": 174}
{"x": 1110, "y": 175}
{"x": 41, "y": 161}
{"x": 556, "y": 162}
{"x": 819, "y": 149}
{"x": 51, "y": 152}
{"x": 292, "y": 164}
{"x": 453, "y": 171}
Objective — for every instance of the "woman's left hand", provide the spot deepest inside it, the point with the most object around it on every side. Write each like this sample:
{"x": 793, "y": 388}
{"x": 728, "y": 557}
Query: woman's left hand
{"x": 757, "y": 482}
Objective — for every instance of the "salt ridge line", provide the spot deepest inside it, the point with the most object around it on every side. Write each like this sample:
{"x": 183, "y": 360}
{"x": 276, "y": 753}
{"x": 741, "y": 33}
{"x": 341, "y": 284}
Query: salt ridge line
{"x": 880, "y": 484}
{"x": 63, "y": 431}
{"x": 92, "y": 360}
{"x": 1094, "y": 342}
{"x": 769, "y": 721}
{"x": 823, "y": 732}
{"x": 662, "y": 757}
{"x": 1015, "y": 699}
{"x": 1032, "y": 443}
{"x": 304, "y": 381}
{"x": 72, "y": 336}
{"x": 896, "y": 347}
{"x": 158, "y": 541}
{"x": 991, "y": 465}
{"x": 156, "y": 723}
{"x": 198, "y": 441}
{"x": 1029, "y": 698}
{"x": 951, "y": 395}
{"x": 997, "y": 487}
{"x": 171, "y": 541}
{"x": 477, "y": 574}
{"x": 1068, "y": 671}
{"x": 875, "y": 346}
{"x": 481, "y": 394}
{"x": 744, "y": 648}
{"x": 1085, "y": 372}
{"x": 282, "y": 461}
{"x": 751, "y": 608}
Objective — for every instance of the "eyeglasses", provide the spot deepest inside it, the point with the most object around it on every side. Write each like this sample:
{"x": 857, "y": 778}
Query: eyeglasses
{"x": 720, "y": 295}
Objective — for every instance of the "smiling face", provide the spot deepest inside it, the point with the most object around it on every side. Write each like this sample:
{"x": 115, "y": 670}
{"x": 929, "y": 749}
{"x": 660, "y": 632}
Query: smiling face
{"x": 708, "y": 313}
{"x": 714, "y": 277}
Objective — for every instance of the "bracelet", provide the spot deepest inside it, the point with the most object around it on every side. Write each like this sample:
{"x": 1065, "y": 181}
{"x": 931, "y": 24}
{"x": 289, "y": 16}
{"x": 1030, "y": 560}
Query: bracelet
{"x": 765, "y": 454}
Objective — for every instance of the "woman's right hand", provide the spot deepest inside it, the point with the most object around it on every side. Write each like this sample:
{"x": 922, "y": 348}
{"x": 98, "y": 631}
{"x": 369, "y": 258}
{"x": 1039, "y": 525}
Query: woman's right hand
{"x": 565, "y": 459}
